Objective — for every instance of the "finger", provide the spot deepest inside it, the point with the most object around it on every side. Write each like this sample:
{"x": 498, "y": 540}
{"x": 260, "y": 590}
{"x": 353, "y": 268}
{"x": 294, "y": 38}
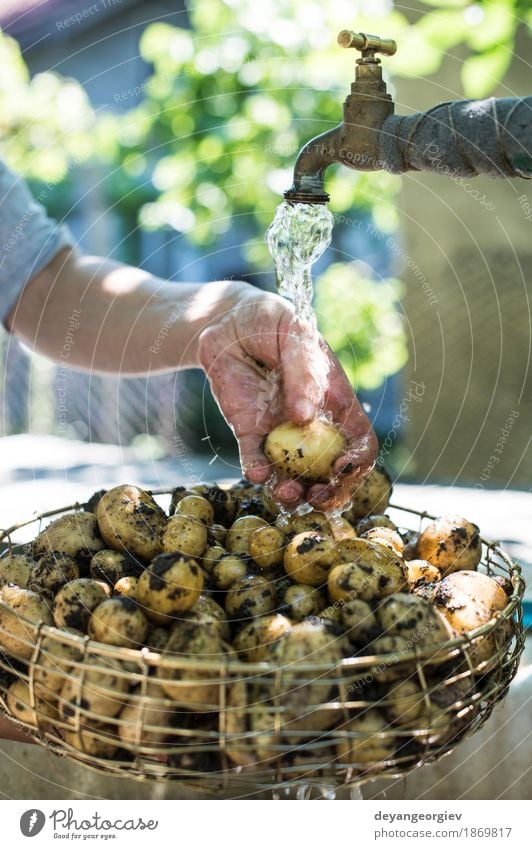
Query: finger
{"x": 252, "y": 459}
{"x": 304, "y": 369}
{"x": 290, "y": 493}
{"x": 349, "y": 469}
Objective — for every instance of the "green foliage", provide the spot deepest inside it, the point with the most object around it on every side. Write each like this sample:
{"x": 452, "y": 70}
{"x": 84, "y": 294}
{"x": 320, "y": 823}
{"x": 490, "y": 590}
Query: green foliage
{"x": 361, "y": 321}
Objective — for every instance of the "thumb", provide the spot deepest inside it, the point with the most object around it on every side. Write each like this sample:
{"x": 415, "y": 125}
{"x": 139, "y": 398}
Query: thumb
{"x": 304, "y": 370}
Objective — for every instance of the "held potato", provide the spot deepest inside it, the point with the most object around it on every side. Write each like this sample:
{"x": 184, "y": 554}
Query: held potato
{"x": 17, "y": 635}
{"x": 308, "y": 558}
{"x": 131, "y": 520}
{"x": 372, "y": 571}
{"x": 118, "y": 621}
{"x": 192, "y": 686}
{"x": 306, "y": 452}
{"x": 171, "y": 585}
{"x": 250, "y": 597}
{"x": 16, "y": 569}
{"x": 254, "y": 641}
{"x": 101, "y": 690}
{"x": 451, "y": 543}
{"x": 75, "y": 534}
{"x": 75, "y": 602}
{"x": 52, "y": 571}
{"x": 185, "y": 534}
{"x": 372, "y": 495}
{"x": 372, "y": 741}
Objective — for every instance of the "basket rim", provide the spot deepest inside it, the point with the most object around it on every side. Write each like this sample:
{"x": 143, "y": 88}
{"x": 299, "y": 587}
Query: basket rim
{"x": 226, "y": 665}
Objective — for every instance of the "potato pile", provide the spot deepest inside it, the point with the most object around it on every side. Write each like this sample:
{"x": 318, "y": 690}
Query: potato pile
{"x": 227, "y": 577}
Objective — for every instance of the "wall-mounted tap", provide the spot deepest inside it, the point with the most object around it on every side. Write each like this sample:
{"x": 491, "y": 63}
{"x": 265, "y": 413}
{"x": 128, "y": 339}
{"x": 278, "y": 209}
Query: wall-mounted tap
{"x": 456, "y": 138}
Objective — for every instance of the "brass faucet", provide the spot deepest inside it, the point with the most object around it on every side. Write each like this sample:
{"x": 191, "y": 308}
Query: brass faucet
{"x": 446, "y": 140}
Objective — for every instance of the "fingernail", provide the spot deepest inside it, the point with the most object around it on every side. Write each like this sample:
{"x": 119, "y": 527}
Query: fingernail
{"x": 304, "y": 410}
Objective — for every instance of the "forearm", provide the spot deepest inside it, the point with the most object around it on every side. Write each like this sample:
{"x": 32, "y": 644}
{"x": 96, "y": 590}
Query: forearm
{"x": 9, "y": 731}
{"x": 99, "y": 315}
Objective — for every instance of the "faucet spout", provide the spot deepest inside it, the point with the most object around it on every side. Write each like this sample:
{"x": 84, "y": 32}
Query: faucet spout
{"x": 309, "y": 171}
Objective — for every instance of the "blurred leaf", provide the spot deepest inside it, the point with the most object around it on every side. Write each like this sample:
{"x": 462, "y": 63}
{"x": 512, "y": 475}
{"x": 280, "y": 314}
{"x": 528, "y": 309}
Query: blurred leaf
{"x": 480, "y": 73}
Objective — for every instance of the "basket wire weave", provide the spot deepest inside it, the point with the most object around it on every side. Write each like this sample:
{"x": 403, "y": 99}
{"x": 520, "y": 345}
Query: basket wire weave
{"x": 244, "y": 734}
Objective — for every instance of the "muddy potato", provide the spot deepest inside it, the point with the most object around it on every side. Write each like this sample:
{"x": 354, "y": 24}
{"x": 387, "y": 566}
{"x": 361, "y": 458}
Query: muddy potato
{"x": 53, "y": 664}
{"x": 254, "y": 641}
{"x": 314, "y": 520}
{"x": 93, "y": 738}
{"x": 371, "y": 496}
{"x": 228, "y": 571}
{"x": 185, "y": 534}
{"x": 196, "y": 507}
{"x": 405, "y": 703}
{"x": 118, "y": 621}
{"x": 127, "y": 586}
{"x": 211, "y": 557}
{"x": 250, "y": 725}
{"x": 75, "y": 534}
{"x": 156, "y": 638}
{"x": 193, "y": 687}
{"x": 131, "y": 520}
{"x": 102, "y": 690}
{"x": 385, "y": 536}
{"x": 171, "y": 585}
{"x": 216, "y": 535}
{"x": 413, "y": 618}
{"x": 369, "y": 748}
{"x": 373, "y": 571}
{"x": 19, "y": 704}
{"x": 359, "y": 621}
{"x": 250, "y": 597}
{"x": 221, "y": 500}
{"x": 421, "y": 572}
{"x": 110, "y": 566}
{"x": 341, "y": 529}
{"x": 255, "y": 505}
{"x": 331, "y": 615}
{"x": 393, "y": 669}
{"x": 52, "y": 571}
{"x": 75, "y": 602}
{"x": 16, "y": 569}
{"x": 240, "y": 533}
{"x": 266, "y": 547}
{"x": 451, "y": 543}
{"x": 302, "y": 600}
{"x": 376, "y": 520}
{"x": 308, "y": 558}
{"x": 16, "y": 635}
{"x": 468, "y": 600}
{"x": 178, "y": 493}
{"x": 410, "y": 539}
{"x": 208, "y": 612}
{"x": 305, "y": 452}
{"x": 152, "y": 712}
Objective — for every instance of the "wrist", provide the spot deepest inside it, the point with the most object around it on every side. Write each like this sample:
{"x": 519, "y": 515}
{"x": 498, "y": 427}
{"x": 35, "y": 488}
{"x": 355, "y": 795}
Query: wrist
{"x": 210, "y": 305}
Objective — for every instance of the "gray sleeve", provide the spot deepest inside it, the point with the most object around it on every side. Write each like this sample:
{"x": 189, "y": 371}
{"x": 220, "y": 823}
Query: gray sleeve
{"x": 29, "y": 239}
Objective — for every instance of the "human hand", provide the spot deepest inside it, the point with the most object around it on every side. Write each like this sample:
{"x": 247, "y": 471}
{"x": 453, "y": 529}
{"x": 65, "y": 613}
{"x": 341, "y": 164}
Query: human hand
{"x": 241, "y": 351}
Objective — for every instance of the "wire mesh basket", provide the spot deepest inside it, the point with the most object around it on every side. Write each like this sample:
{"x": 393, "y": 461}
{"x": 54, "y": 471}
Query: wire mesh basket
{"x": 221, "y": 723}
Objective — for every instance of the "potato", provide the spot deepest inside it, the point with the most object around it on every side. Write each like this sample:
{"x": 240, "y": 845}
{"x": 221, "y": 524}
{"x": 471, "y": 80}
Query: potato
{"x": 221, "y": 500}
{"x": 373, "y": 744}
{"x": 302, "y": 600}
{"x": 196, "y": 507}
{"x": 75, "y": 534}
{"x": 146, "y": 720}
{"x": 228, "y": 570}
{"x": 240, "y": 533}
{"x": 410, "y": 539}
{"x": 216, "y": 535}
{"x": 17, "y": 635}
{"x": 420, "y": 572}
{"x": 94, "y": 739}
{"x": 131, "y": 520}
{"x": 53, "y": 664}
{"x": 52, "y": 571}
{"x": 254, "y": 641}
{"x": 341, "y": 529}
{"x": 118, "y": 621}
{"x": 127, "y": 586}
{"x": 373, "y": 571}
{"x": 16, "y": 569}
{"x": 186, "y": 535}
{"x": 308, "y": 558}
{"x": 19, "y": 704}
{"x": 250, "y": 597}
{"x": 101, "y": 688}
{"x": 394, "y": 669}
{"x": 298, "y": 523}
{"x": 266, "y": 547}
{"x": 468, "y": 600}
{"x": 171, "y": 585}
{"x": 305, "y": 452}
{"x": 451, "y": 543}
{"x": 405, "y": 703}
{"x": 212, "y": 556}
{"x": 372, "y": 495}
{"x": 207, "y": 612}
{"x": 156, "y": 638}
{"x": 376, "y": 520}
{"x": 75, "y": 602}
{"x": 251, "y": 729}
{"x": 359, "y": 621}
{"x": 110, "y": 566}
{"x": 193, "y": 687}
{"x": 414, "y": 619}
{"x": 385, "y": 536}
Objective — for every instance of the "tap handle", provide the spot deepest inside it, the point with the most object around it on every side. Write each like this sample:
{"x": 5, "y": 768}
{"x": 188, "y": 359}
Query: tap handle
{"x": 367, "y": 44}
